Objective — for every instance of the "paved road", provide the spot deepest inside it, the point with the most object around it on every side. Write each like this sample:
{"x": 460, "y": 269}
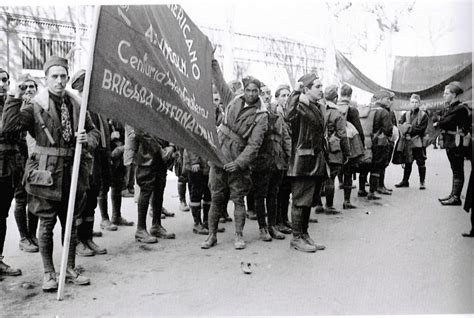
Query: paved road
{"x": 406, "y": 256}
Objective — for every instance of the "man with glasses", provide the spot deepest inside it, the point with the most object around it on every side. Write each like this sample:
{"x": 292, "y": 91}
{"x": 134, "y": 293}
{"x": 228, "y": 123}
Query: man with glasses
{"x": 9, "y": 178}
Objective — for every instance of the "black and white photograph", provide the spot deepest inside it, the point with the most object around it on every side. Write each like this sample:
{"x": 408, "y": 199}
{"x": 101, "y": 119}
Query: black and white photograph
{"x": 236, "y": 158}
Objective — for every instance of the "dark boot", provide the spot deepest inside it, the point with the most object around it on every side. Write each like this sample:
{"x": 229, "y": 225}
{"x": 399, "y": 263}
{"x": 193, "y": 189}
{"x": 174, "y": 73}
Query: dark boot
{"x": 448, "y": 196}
{"x": 374, "y": 182}
{"x": 105, "y": 224}
{"x": 422, "y": 173}
{"x": 330, "y": 194}
{"x": 117, "y": 218}
{"x": 275, "y": 233}
{"x": 347, "y": 198}
{"x": 198, "y": 228}
{"x": 362, "y": 181}
{"x": 455, "y": 198}
{"x": 156, "y": 228}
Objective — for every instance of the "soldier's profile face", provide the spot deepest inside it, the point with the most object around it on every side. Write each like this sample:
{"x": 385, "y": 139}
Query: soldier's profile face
{"x": 448, "y": 95}
{"x": 251, "y": 93}
{"x": 315, "y": 93}
{"x": 56, "y": 79}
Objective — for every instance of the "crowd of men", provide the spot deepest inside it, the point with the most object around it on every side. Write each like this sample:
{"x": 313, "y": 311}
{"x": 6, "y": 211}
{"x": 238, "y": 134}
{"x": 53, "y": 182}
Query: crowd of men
{"x": 295, "y": 146}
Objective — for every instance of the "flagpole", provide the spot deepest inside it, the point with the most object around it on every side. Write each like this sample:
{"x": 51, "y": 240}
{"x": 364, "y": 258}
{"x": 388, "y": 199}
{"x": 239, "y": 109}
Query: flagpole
{"x": 77, "y": 158}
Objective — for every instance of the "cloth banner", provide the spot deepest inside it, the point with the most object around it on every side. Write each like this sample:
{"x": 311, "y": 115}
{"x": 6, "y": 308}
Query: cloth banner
{"x": 152, "y": 70}
{"x": 425, "y": 76}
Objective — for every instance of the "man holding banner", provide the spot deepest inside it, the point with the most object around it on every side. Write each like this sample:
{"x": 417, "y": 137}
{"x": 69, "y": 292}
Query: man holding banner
{"x": 52, "y": 118}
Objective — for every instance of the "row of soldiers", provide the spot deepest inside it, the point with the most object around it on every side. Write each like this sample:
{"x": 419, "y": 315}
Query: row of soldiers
{"x": 296, "y": 146}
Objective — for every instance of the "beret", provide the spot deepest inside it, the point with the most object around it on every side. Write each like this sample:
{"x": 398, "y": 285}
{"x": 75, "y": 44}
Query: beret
{"x": 455, "y": 87}
{"x": 308, "y": 78}
{"x": 280, "y": 88}
{"x": 330, "y": 92}
{"x": 251, "y": 80}
{"x": 383, "y": 94}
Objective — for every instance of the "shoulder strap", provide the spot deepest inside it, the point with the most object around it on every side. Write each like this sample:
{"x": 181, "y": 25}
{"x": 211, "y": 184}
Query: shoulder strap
{"x": 44, "y": 127}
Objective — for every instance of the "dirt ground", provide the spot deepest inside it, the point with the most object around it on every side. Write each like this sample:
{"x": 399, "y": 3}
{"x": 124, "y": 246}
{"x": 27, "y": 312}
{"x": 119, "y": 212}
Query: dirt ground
{"x": 402, "y": 255}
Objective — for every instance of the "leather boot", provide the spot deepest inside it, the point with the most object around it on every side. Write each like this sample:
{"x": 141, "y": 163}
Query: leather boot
{"x": 74, "y": 277}
{"x": 406, "y": 176}
{"x": 210, "y": 241}
{"x": 6, "y": 270}
{"x": 50, "y": 283}
{"x": 117, "y": 218}
{"x": 239, "y": 243}
{"x": 27, "y": 246}
{"x": 275, "y": 233}
{"x": 96, "y": 248}
{"x": 198, "y": 228}
{"x": 108, "y": 226}
{"x": 374, "y": 182}
{"x": 304, "y": 229}
{"x": 283, "y": 228}
{"x": 297, "y": 242}
{"x": 82, "y": 249}
{"x": 422, "y": 173}
{"x": 158, "y": 230}
{"x": 264, "y": 235}
{"x": 455, "y": 198}
{"x": 347, "y": 197}
{"x": 362, "y": 180}
{"x": 183, "y": 206}
{"x": 142, "y": 235}
{"x": 451, "y": 194}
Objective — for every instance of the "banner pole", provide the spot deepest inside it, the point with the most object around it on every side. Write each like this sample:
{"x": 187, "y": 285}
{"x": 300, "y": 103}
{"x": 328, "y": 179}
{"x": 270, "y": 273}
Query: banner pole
{"x": 77, "y": 158}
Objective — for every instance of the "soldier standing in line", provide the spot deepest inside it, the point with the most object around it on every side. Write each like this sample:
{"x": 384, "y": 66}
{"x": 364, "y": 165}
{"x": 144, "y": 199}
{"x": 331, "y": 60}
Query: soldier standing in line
{"x": 283, "y": 224}
{"x": 308, "y": 167}
{"x": 9, "y": 172}
{"x": 99, "y": 180}
{"x": 26, "y": 221}
{"x": 153, "y": 158}
{"x": 240, "y": 136}
{"x": 52, "y": 117}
